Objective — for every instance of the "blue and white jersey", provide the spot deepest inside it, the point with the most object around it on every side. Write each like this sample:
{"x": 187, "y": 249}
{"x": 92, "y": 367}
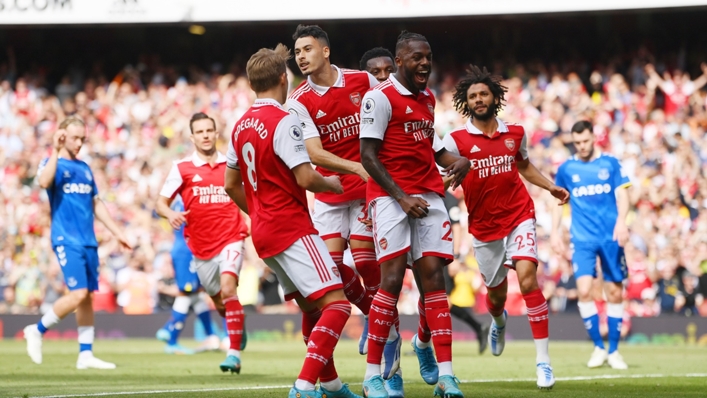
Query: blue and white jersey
{"x": 592, "y": 186}
{"x": 71, "y": 200}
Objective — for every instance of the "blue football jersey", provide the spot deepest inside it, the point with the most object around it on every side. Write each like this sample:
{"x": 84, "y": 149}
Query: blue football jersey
{"x": 71, "y": 200}
{"x": 592, "y": 186}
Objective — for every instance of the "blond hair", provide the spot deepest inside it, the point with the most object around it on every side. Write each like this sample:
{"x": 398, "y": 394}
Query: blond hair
{"x": 265, "y": 67}
{"x": 69, "y": 121}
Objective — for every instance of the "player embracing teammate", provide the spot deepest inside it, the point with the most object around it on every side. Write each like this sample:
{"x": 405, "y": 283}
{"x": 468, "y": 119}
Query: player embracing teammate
{"x": 399, "y": 150}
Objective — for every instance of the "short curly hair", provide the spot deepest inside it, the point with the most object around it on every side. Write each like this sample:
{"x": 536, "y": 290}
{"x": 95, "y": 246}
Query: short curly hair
{"x": 476, "y": 75}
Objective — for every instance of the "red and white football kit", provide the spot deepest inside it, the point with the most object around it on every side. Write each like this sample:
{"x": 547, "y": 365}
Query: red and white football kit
{"x": 332, "y": 115}
{"x": 501, "y": 212}
{"x": 215, "y": 228}
{"x": 405, "y": 124}
{"x": 265, "y": 145}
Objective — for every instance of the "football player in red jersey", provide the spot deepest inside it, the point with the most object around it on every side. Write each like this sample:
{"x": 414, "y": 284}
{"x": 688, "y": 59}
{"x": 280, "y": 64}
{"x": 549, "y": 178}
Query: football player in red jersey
{"x": 501, "y": 212}
{"x": 328, "y": 104}
{"x": 214, "y": 227}
{"x": 268, "y": 172}
{"x": 379, "y": 62}
{"x": 400, "y": 150}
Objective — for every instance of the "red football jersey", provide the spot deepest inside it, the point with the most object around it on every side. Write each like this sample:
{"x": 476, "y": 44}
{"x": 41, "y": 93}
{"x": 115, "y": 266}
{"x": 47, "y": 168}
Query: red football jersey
{"x": 495, "y": 196}
{"x": 332, "y": 114}
{"x": 405, "y": 124}
{"x": 214, "y": 220}
{"x": 266, "y": 144}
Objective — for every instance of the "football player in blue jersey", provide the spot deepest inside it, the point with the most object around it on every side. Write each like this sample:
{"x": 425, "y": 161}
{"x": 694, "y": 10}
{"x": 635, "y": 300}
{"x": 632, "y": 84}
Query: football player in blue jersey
{"x": 188, "y": 284}
{"x": 74, "y": 202}
{"x": 599, "y": 203}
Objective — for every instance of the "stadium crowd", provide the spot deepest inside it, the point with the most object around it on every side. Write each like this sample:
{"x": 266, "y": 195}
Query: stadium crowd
{"x": 652, "y": 118}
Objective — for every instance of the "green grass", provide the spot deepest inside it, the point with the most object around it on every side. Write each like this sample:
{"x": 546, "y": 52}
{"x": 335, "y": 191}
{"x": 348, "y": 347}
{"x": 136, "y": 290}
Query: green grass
{"x": 273, "y": 366}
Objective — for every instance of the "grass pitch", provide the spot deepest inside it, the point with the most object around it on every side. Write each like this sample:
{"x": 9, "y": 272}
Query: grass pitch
{"x": 270, "y": 368}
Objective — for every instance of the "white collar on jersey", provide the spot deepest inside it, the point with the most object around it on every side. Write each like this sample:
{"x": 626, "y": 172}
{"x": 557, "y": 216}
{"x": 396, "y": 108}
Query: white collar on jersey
{"x": 267, "y": 101}
{"x": 321, "y": 90}
{"x": 198, "y": 162}
{"x": 502, "y": 128}
{"x": 401, "y": 89}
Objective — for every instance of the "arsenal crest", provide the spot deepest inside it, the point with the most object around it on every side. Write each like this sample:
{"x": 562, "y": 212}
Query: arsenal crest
{"x": 355, "y": 98}
{"x": 383, "y": 243}
{"x": 510, "y": 144}
{"x": 431, "y": 108}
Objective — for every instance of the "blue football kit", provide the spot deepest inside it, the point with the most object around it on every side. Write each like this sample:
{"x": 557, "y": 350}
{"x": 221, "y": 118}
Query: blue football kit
{"x": 71, "y": 199}
{"x": 592, "y": 186}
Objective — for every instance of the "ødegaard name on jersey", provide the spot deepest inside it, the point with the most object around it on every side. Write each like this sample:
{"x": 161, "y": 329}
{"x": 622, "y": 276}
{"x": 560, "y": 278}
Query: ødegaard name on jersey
{"x": 253, "y": 123}
{"x": 210, "y": 194}
{"x": 343, "y": 127}
{"x": 493, "y": 165}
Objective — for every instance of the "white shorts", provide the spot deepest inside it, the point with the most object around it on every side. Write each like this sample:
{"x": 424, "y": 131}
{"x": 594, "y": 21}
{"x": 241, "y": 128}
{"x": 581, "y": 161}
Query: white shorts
{"x": 497, "y": 256}
{"x": 395, "y": 233}
{"x": 229, "y": 261}
{"x": 305, "y": 268}
{"x": 342, "y": 220}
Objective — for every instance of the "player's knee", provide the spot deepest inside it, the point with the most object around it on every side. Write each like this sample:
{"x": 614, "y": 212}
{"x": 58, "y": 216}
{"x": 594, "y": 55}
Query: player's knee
{"x": 497, "y": 298}
{"x": 392, "y": 283}
{"x": 528, "y": 285}
{"x": 228, "y": 291}
{"x": 80, "y": 295}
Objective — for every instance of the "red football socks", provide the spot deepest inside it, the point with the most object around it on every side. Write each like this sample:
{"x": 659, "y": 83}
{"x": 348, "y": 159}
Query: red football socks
{"x": 440, "y": 322}
{"x": 234, "y": 321}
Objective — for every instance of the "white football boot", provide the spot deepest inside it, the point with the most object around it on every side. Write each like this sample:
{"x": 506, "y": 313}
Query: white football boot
{"x": 598, "y": 358}
{"x": 34, "y": 343}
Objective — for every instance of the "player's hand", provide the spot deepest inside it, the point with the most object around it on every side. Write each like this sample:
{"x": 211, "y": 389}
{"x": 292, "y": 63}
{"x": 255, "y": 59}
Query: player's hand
{"x": 367, "y": 222}
{"x": 459, "y": 170}
{"x": 414, "y": 207}
{"x": 621, "y": 233}
{"x": 560, "y": 193}
{"x": 361, "y": 172}
{"x": 334, "y": 184}
{"x": 59, "y": 139}
{"x": 558, "y": 244}
{"x": 123, "y": 240}
{"x": 177, "y": 218}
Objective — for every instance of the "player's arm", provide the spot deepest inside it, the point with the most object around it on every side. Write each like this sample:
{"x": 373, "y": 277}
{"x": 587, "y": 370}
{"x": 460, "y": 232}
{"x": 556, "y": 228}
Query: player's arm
{"x": 234, "y": 188}
{"x": 556, "y": 240}
{"x": 375, "y": 115}
{"x": 101, "y": 212}
{"x": 288, "y": 146}
{"x": 535, "y": 177}
{"x": 317, "y": 154}
{"x": 622, "y": 205}
{"x": 621, "y": 183}
{"x": 47, "y": 171}
{"x": 454, "y": 165}
{"x": 321, "y": 157}
{"x": 162, "y": 206}
{"x": 413, "y": 206}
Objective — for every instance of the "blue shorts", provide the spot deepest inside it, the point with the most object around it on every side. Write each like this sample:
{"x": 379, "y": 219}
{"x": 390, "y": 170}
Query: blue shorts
{"x": 79, "y": 264}
{"x": 611, "y": 257}
{"x": 184, "y": 270}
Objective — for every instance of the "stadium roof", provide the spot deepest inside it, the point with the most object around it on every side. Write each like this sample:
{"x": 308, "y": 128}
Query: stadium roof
{"x": 62, "y": 12}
